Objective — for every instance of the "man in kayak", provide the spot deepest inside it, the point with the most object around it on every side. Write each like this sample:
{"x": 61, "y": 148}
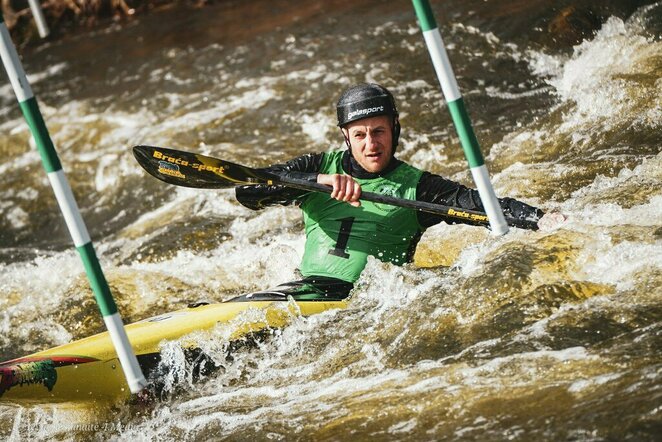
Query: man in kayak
{"x": 341, "y": 231}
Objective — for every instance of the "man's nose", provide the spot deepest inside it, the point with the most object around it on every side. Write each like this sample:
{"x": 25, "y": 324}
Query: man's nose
{"x": 369, "y": 140}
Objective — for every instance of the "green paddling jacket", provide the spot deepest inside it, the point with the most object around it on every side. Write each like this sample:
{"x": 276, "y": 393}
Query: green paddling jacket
{"x": 340, "y": 237}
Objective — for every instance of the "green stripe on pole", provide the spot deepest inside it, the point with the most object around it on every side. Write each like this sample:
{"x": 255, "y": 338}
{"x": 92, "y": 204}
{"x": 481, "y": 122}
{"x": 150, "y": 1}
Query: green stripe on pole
{"x": 97, "y": 280}
{"x": 425, "y": 15}
{"x": 466, "y": 133}
{"x": 39, "y": 131}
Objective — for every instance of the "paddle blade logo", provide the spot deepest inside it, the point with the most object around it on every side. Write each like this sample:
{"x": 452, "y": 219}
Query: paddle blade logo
{"x": 170, "y": 169}
{"x": 28, "y": 373}
{"x": 169, "y": 165}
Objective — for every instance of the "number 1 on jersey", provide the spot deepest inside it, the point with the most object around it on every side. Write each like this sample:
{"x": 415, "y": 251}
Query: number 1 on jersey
{"x": 343, "y": 237}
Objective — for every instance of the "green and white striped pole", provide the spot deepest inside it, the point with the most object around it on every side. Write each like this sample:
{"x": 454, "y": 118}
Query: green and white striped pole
{"x": 444, "y": 70}
{"x": 69, "y": 208}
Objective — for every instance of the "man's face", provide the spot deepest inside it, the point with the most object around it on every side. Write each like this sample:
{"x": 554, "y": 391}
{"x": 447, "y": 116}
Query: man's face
{"x": 371, "y": 141}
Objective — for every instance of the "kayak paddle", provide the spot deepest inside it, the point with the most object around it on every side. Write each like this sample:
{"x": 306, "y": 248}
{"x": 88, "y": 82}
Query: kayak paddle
{"x": 200, "y": 171}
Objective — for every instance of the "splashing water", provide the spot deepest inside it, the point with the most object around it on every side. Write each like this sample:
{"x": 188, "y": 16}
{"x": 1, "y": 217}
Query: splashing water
{"x": 533, "y": 336}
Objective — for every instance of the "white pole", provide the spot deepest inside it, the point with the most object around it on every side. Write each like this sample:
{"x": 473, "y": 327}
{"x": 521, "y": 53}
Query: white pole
{"x": 38, "y": 15}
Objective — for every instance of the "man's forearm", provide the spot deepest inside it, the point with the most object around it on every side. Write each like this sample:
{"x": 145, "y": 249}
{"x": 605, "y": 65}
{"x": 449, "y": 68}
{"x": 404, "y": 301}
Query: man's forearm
{"x": 438, "y": 190}
{"x": 305, "y": 167}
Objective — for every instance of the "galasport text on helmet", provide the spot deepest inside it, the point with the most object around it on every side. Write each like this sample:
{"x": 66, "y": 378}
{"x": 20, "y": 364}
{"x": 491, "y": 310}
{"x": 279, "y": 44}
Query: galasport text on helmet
{"x": 367, "y": 100}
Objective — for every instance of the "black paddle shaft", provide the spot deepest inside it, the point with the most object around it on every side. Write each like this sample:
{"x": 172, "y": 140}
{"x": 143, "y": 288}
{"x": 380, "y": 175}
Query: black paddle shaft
{"x": 203, "y": 172}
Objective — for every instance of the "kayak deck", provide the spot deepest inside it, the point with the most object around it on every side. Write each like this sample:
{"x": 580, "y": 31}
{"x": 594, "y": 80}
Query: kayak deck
{"x": 89, "y": 368}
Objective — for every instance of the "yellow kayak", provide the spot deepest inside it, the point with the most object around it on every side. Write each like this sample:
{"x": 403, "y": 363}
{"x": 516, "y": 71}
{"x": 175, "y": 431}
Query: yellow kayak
{"x": 89, "y": 369}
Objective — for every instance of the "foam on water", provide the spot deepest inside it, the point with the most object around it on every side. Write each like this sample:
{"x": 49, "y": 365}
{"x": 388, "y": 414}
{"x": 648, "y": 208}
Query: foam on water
{"x": 606, "y": 86}
{"x": 34, "y": 279}
{"x": 17, "y": 217}
{"x": 316, "y": 127}
{"x": 579, "y": 386}
{"x": 645, "y": 175}
{"x": 27, "y": 285}
{"x": 620, "y": 263}
{"x": 594, "y": 77}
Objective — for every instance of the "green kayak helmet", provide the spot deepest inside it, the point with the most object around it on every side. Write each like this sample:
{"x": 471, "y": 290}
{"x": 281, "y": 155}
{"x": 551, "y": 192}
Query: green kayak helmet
{"x": 365, "y": 100}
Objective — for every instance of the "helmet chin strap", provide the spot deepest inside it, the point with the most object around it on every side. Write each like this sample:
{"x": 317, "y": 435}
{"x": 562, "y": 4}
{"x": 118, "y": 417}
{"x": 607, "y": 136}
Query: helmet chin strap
{"x": 349, "y": 146}
{"x": 395, "y": 133}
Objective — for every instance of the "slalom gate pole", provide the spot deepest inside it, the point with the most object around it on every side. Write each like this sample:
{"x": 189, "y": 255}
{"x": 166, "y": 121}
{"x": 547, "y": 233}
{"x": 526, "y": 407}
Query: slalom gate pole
{"x": 39, "y": 19}
{"x": 444, "y": 70}
{"x": 69, "y": 208}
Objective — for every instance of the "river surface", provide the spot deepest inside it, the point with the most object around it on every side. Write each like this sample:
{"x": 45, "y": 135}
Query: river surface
{"x": 553, "y": 335}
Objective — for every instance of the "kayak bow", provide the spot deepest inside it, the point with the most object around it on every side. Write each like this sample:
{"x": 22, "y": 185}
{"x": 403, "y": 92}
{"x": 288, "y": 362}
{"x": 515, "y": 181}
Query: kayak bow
{"x": 89, "y": 368}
